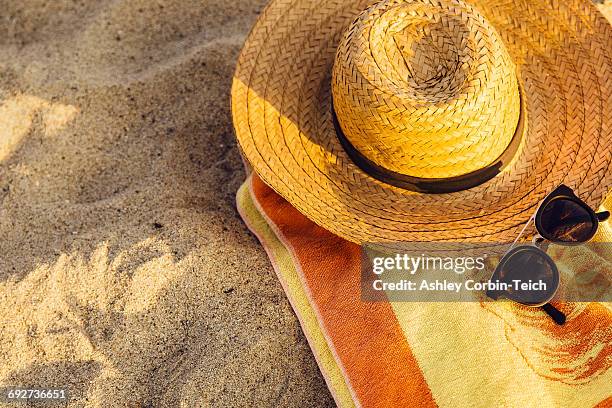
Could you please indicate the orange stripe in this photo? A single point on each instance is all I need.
(366, 337)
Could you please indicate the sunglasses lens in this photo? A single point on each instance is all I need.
(564, 220)
(532, 276)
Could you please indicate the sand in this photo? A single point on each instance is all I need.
(126, 273)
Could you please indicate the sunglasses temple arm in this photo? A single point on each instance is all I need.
(554, 313)
(603, 216)
(521, 233)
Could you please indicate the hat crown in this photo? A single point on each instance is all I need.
(425, 88)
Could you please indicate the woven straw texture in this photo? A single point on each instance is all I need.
(427, 89)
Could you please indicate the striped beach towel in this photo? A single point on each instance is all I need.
(408, 354)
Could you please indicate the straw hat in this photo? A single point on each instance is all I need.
(426, 120)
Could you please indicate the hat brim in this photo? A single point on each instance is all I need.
(281, 106)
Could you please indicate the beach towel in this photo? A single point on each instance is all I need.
(409, 354)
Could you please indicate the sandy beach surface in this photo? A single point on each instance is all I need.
(126, 274)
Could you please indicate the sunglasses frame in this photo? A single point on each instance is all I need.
(540, 243)
(536, 250)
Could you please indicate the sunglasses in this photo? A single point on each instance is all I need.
(561, 218)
